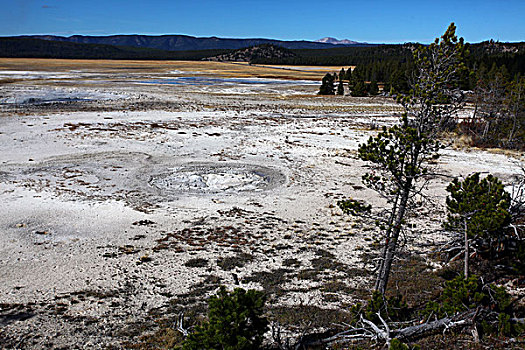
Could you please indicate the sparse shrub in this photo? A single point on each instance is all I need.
(327, 261)
(196, 262)
(390, 308)
(230, 262)
(308, 274)
(272, 281)
(235, 322)
(291, 262)
(308, 316)
(334, 286)
(396, 344)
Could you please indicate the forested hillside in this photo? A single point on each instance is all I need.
(38, 48)
(187, 42)
(392, 65)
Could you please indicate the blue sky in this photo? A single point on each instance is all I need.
(376, 21)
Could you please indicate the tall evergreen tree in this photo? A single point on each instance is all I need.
(348, 75)
(373, 89)
(327, 85)
(401, 154)
(342, 74)
(340, 88)
(398, 81)
(358, 89)
(499, 114)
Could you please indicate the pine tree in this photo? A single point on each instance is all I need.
(358, 73)
(398, 81)
(499, 112)
(386, 88)
(342, 74)
(348, 75)
(477, 208)
(515, 102)
(401, 154)
(340, 88)
(235, 321)
(327, 85)
(359, 89)
(373, 89)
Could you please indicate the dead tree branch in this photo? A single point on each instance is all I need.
(180, 326)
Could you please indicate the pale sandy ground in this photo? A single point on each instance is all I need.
(250, 170)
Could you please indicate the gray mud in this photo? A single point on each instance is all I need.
(139, 178)
(202, 178)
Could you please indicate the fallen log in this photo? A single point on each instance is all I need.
(463, 319)
(369, 330)
(444, 324)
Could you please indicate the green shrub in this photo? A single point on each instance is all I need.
(502, 326)
(235, 322)
(462, 294)
(396, 344)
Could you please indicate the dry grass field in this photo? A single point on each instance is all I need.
(232, 70)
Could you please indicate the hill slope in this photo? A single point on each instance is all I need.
(37, 48)
(183, 42)
(250, 54)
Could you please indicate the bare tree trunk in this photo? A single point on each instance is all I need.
(486, 130)
(391, 242)
(383, 259)
(516, 105)
(388, 234)
(467, 253)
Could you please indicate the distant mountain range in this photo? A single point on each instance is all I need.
(256, 51)
(334, 41)
(187, 43)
